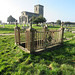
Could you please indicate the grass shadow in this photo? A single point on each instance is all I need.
(60, 54)
(53, 27)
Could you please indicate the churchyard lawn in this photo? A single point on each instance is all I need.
(59, 61)
(10, 28)
(14, 61)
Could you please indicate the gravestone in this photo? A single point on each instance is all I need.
(73, 32)
(50, 25)
(29, 24)
(42, 25)
(65, 30)
(3, 25)
(23, 27)
(26, 24)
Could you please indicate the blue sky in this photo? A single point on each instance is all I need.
(53, 9)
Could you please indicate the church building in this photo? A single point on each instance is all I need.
(25, 16)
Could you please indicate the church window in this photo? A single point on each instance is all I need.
(36, 8)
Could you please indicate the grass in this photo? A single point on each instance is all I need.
(7, 29)
(13, 61)
(69, 34)
(10, 28)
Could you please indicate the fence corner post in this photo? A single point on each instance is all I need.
(62, 34)
(30, 36)
(45, 28)
(17, 35)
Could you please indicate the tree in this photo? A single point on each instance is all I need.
(33, 18)
(11, 19)
(58, 22)
(41, 19)
(0, 22)
(38, 19)
(68, 23)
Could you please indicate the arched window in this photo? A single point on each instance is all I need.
(36, 8)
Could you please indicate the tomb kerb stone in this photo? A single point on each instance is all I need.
(30, 34)
(17, 34)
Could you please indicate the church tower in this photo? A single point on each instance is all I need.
(38, 9)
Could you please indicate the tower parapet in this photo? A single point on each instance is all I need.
(38, 9)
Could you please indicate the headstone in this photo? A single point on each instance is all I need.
(65, 30)
(23, 25)
(46, 25)
(3, 25)
(29, 24)
(50, 25)
(26, 24)
(68, 29)
(42, 24)
(73, 32)
(53, 25)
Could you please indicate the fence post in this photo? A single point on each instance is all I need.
(30, 35)
(45, 29)
(62, 33)
(17, 35)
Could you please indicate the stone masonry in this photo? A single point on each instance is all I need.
(25, 16)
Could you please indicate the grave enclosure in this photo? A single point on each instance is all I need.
(31, 40)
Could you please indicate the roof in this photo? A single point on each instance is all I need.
(30, 12)
(39, 5)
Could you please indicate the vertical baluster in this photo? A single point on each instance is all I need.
(59, 36)
(56, 37)
(34, 41)
(41, 40)
(47, 37)
(37, 40)
(52, 37)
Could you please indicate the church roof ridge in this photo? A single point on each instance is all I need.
(30, 12)
(39, 5)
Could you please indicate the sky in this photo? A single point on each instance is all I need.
(54, 10)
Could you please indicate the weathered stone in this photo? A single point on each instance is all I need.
(25, 16)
